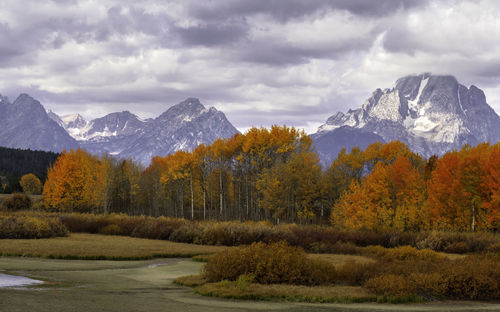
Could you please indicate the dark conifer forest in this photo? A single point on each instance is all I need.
(14, 163)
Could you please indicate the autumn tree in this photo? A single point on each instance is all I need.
(74, 183)
(463, 189)
(31, 184)
(392, 196)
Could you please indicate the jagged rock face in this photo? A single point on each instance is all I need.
(56, 118)
(182, 127)
(101, 129)
(25, 124)
(432, 114)
(74, 121)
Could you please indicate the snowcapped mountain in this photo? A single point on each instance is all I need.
(182, 127)
(433, 114)
(74, 121)
(25, 124)
(111, 125)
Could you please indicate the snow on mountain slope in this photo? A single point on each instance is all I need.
(431, 113)
(182, 127)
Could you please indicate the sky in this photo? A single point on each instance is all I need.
(261, 62)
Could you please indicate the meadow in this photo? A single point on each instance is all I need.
(101, 247)
(263, 261)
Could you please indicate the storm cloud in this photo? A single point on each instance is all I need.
(262, 62)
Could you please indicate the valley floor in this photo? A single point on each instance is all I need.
(147, 285)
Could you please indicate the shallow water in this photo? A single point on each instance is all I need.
(13, 281)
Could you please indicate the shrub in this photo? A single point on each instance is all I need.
(457, 247)
(157, 228)
(17, 202)
(422, 284)
(474, 277)
(456, 242)
(110, 229)
(270, 264)
(404, 271)
(318, 239)
(494, 248)
(411, 253)
(21, 226)
(353, 273)
(336, 248)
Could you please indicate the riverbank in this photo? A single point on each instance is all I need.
(147, 285)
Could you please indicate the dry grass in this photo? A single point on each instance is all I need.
(94, 246)
(227, 289)
(452, 256)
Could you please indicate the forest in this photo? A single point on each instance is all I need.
(14, 163)
(274, 175)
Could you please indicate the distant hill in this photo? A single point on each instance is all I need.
(14, 163)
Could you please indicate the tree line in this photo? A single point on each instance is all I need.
(14, 163)
(274, 174)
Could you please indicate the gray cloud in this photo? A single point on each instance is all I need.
(262, 62)
(213, 33)
(292, 9)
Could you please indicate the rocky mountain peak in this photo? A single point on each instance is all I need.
(24, 100)
(25, 124)
(431, 113)
(188, 108)
(74, 121)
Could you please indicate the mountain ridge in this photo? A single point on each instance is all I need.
(432, 114)
(27, 124)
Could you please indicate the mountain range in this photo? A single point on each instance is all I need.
(432, 114)
(26, 124)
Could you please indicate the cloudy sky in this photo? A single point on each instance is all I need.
(262, 62)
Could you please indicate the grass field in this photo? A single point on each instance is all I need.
(100, 247)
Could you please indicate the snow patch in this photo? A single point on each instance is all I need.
(424, 124)
(460, 101)
(413, 104)
(327, 127)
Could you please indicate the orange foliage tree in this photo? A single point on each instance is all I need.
(391, 197)
(463, 189)
(75, 183)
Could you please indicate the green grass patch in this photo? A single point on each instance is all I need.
(201, 258)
